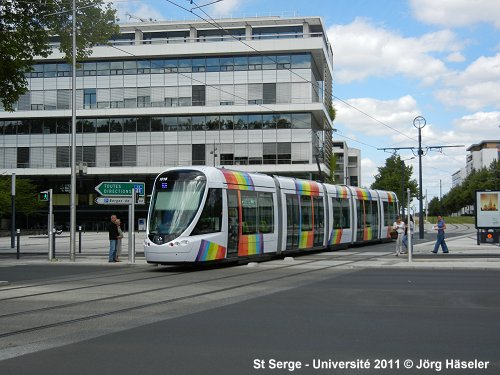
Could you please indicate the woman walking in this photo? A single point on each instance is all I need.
(399, 226)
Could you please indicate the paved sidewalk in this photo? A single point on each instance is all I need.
(94, 249)
(462, 242)
(464, 253)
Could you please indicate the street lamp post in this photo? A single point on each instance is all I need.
(403, 186)
(419, 122)
(72, 219)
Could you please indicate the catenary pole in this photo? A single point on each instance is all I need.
(72, 225)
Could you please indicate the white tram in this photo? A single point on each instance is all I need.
(201, 214)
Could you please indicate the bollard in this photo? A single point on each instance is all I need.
(79, 239)
(18, 231)
(54, 242)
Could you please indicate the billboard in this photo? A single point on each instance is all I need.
(487, 209)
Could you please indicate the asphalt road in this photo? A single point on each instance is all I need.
(307, 315)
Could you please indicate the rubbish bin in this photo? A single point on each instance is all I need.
(489, 236)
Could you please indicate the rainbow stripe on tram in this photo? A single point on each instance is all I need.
(238, 180)
(368, 234)
(335, 237)
(391, 197)
(342, 191)
(306, 239)
(310, 188)
(210, 251)
(363, 194)
(252, 244)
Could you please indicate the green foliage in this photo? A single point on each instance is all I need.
(453, 219)
(390, 177)
(332, 165)
(465, 194)
(332, 112)
(26, 30)
(434, 207)
(26, 197)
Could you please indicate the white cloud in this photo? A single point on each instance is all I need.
(130, 11)
(368, 172)
(362, 50)
(223, 8)
(475, 88)
(455, 57)
(456, 13)
(397, 114)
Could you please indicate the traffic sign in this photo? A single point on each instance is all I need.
(118, 200)
(43, 196)
(120, 188)
(113, 200)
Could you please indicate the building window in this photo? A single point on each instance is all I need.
(89, 98)
(143, 101)
(198, 95)
(198, 154)
(86, 154)
(23, 157)
(284, 153)
(115, 156)
(62, 157)
(269, 153)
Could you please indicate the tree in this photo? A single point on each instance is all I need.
(26, 28)
(390, 177)
(26, 197)
(465, 194)
(435, 207)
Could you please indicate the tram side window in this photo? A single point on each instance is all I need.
(374, 207)
(341, 218)
(389, 213)
(249, 212)
(360, 213)
(319, 221)
(307, 218)
(368, 213)
(266, 216)
(211, 218)
(293, 219)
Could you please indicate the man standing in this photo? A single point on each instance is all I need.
(440, 227)
(113, 237)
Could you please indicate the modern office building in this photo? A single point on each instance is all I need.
(481, 155)
(252, 94)
(348, 164)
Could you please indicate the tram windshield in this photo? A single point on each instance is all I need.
(177, 197)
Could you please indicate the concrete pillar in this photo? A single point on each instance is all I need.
(306, 30)
(193, 34)
(138, 36)
(248, 32)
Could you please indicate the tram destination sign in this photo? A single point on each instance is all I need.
(120, 189)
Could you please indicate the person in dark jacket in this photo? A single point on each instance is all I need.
(113, 237)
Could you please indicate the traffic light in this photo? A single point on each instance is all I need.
(43, 196)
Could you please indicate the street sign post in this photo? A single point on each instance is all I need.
(126, 193)
(121, 189)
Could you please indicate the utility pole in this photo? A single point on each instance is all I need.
(72, 219)
(419, 122)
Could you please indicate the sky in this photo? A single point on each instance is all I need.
(393, 60)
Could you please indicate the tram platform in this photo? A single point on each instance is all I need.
(462, 243)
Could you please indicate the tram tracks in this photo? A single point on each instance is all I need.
(64, 314)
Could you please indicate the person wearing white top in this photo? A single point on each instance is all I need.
(399, 226)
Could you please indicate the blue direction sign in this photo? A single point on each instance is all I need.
(120, 189)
